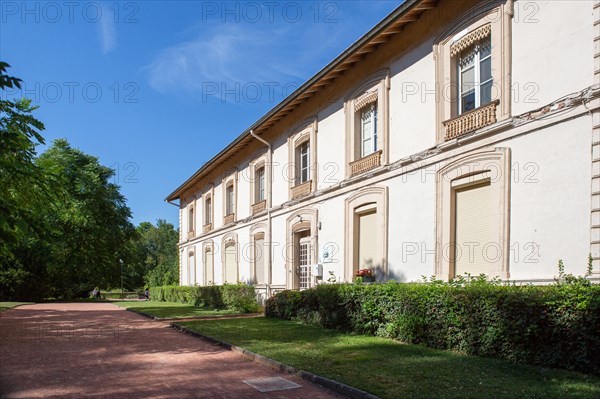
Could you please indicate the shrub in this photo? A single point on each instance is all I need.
(554, 326)
(238, 297)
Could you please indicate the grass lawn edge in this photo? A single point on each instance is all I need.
(192, 318)
(336, 386)
(17, 304)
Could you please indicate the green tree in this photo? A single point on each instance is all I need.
(157, 249)
(89, 223)
(23, 190)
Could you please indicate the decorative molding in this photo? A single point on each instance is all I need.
(302, 189)
(469, 39)
(206, 228)
(470, 121)
(367, 99)
(228, 219)
(364, 164)
(259, 207)
(300, 220)
(378, 197)
(487, 18)
(374, 89)
(474, 167)
(305, 131)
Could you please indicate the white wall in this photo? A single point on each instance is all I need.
(552, 51)
(552, 56)
(551, 200)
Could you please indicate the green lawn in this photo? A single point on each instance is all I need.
(391, 369)
(170, 309)
(7, 305)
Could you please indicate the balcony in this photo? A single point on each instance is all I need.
(206, 228)
(470, 121)
(302, 189)
(364, 164)
(228, 219)
(259, 207)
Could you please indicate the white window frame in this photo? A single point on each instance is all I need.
(208, 210)
(260, 184)
(477, 84)
(303, 162)
(229, 200)
(371, 111)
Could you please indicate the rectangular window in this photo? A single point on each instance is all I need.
(191, 220)
(230, 264)
(259, 260)
(474, 234)
(260, 185)
(475, 76)
(368, 130)
(208, 211)
(303, 163)
(229, 200)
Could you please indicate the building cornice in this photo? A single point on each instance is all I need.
(393, 24)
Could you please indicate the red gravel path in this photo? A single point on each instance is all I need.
(99, 350)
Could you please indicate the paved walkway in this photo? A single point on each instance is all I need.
(98, 350)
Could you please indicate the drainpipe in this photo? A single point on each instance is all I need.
(269, 203)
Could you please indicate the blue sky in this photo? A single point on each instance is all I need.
(156, 88)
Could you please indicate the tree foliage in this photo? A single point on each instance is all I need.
(64, 226)
(157, 247)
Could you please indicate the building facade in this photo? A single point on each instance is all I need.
(454, 138)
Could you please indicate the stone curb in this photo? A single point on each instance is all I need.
(194, 318)
(346, 390)
(143, 314)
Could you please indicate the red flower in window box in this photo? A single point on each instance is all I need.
(364, 273)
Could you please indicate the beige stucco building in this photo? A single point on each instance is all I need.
(454, 137)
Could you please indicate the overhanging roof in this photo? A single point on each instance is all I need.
(394, 23)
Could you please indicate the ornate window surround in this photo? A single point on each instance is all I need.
(208, 246)
(258, 206)
(490, 164)
(300, 220)
(230, 239)
(487, 18)
(375, 88)
(191, 266)
(229, 180)
(301, 133)
(191, 215)
(378, 197)
(209, 193)
(258, 231)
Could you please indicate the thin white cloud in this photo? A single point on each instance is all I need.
(236, 54)
(107, 32)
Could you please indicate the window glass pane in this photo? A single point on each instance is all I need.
(304, 175)
(485, 48)
(486, 93)
(229, 209)
(208, 214)
(467, 58)
(467, 80)
(303, 162)
(468, 101)
(485, 70)
(366, 147)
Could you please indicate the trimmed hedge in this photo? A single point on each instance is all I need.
(239, 297)
(553, 326)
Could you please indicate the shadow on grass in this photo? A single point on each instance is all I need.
(392, 369)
